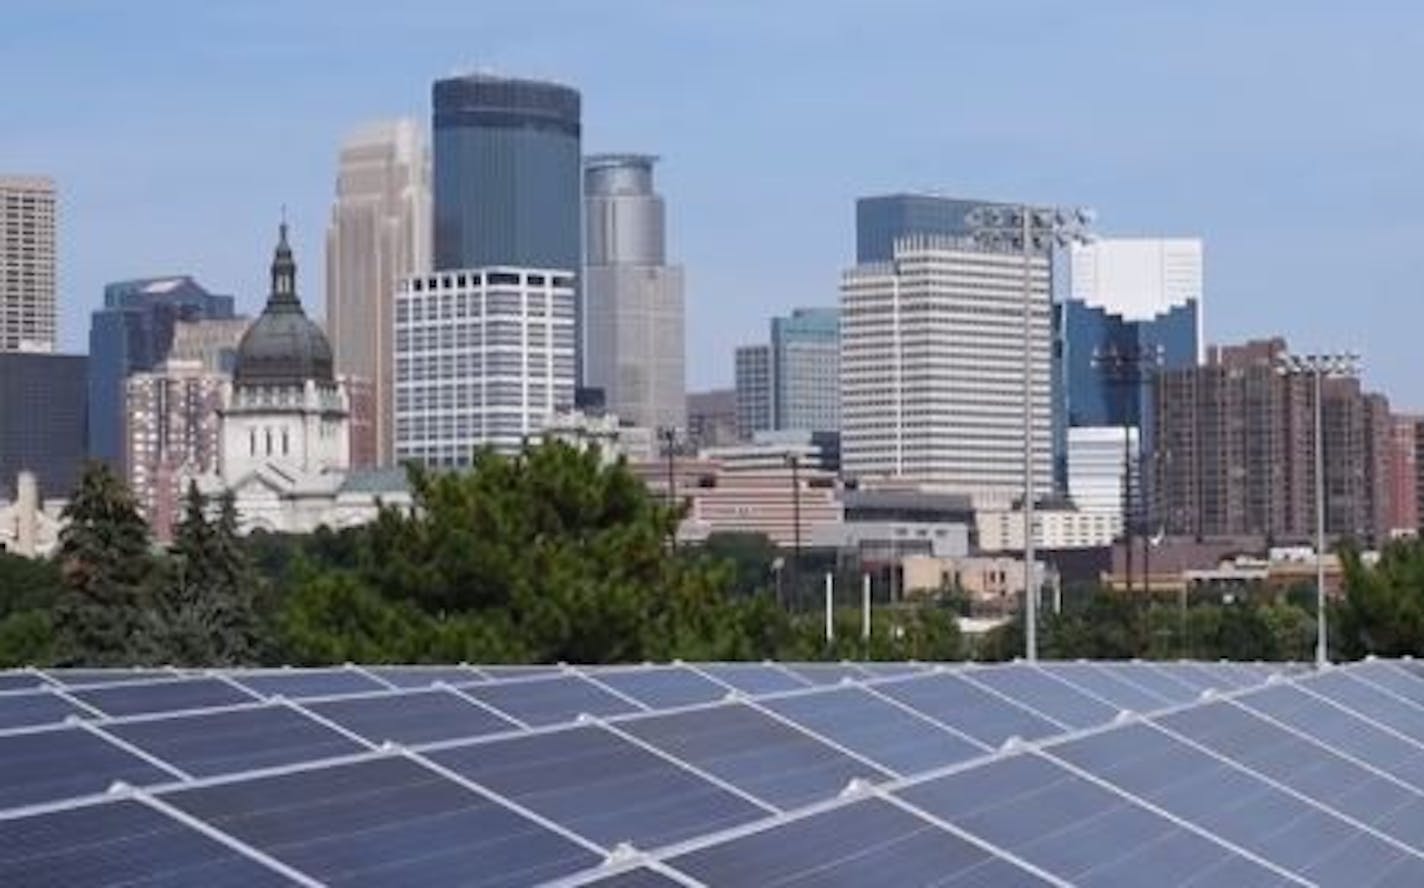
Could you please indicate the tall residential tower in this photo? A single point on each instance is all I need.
(27, 264)
(379, 233)
(633, 345)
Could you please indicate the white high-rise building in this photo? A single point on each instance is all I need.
(1140, 279)
(633, 300)
(379, 233)
(933, 368)
(1096, 459)
(484, 357)
(27, 264)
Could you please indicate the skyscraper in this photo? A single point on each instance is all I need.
(27, 264)
(933, 367)
(883, 220)
(484, 357)
(42, 417)
(753, 384)
(633, 299)
(507, 173)
(133, 332)
(172, 433)
(379, 233)
(805, 374)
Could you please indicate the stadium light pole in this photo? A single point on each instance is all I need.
(1318, 367)
(1033, 230)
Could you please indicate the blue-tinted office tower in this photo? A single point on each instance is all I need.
(883, 219)
(1134, 306)
(132, 333)
(42, 419)
(507, 173)
(805, 376)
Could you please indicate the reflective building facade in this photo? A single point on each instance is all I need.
(506, 173)
(883, 219)
(42, 419)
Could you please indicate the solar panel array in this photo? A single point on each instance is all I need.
(1053, 773)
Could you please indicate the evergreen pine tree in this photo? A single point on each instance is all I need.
(104, 560)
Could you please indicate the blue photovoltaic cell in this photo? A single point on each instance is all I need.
(1106, 686)
(601, 786)
(549, 701)
(163, 696)
(424, 676)
(1158, 680)
(412, 717)
(1306, 767)
(75, 677)
(120, 843)
(662, 687)
(307, 682)
(1041, 693)
(387, 821)
(1194, 680)
(867, 843)
(20, 681)
(1258, 817)
(875, 728)
(1078, 830)
(227, 742)
(968, 709)
(755, 678)
(1232, 676)
(754, 752)
(1392, 679)
(1342, 730)
(500, 673)
(888, 670)
(60, 763)
(1369, 701)
(23, 708)
(827, 673)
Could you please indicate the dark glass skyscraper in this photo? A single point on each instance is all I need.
(507, 173)
(41, 421)
(130, 334)
(884, 219)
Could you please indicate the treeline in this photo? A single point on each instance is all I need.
(551, 556)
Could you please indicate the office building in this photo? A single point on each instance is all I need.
(933, 368)
(1404, 474)
(172, 434)
(27, 264)
(211, 344)
(753, 381)
(484, 358)
(42, 421)
(380, 232)
(712, 418)
(633, 299)
(133, 333)
(805, 370)
(1101, 460)
(883, 220)
(1234, 450)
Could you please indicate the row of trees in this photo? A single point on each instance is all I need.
(553, 555)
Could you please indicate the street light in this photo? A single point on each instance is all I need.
(1319, 366)
(669, 437)
(794, 461)
(1033, 231)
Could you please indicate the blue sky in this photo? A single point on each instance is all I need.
(1288, 135)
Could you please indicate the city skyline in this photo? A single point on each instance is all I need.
(1167, 151)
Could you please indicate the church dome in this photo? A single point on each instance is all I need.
(283, 346)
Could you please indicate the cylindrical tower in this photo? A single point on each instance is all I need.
(624, 217)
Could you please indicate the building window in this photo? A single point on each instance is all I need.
(269, 441)
(252, 442)
(284, 442)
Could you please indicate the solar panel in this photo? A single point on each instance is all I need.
(20, 681)
(1159, 681)
(754, 752)
(59, 763)
(1193, 681)
(163, 696)
(1044, 694)
(968, 709)
(755, 678)
(231, 741)
(1078, 830)
(1104, 685)
(826, 673)
(549, 701)
(412, 717)
(642, 877)
(79, 677)
(120, 843)
(1293, 833)
(307, 682)
(662, 687)
(24, 708)
(1367, 700)
(601, 786)
(424, 676)
(1392, 679)
(386, 821)
(500, 673)
(888, 670)
(867, 843)
(897, 739)
(1341, 729)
